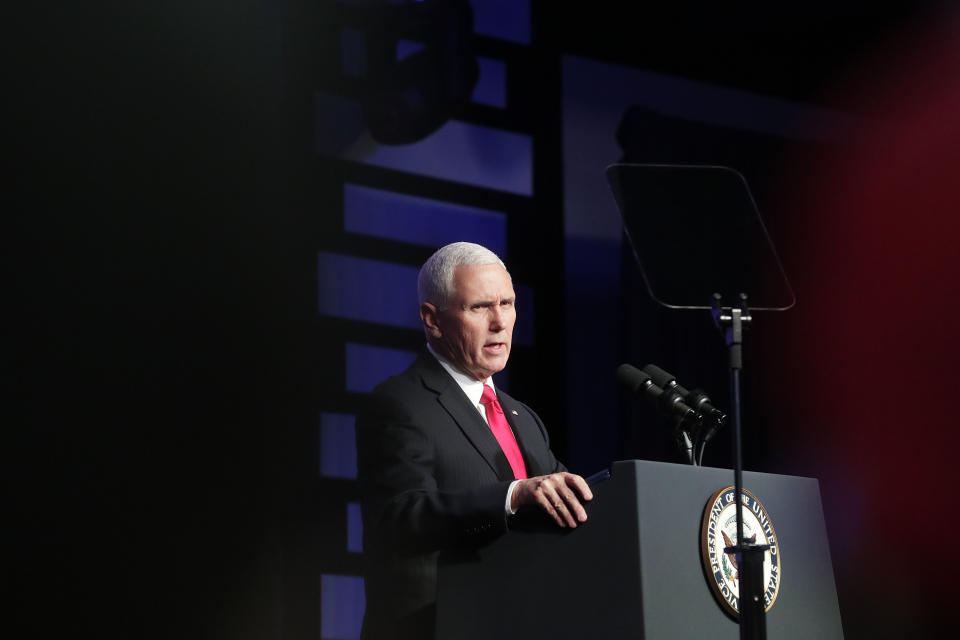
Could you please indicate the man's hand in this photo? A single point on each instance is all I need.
(555, 495)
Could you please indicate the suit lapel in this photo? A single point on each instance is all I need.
(525, 430)
(467, 418)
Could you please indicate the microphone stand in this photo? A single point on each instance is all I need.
(753, 625)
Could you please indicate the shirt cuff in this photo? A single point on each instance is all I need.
(510, 489)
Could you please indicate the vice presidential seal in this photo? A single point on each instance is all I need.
(719, 530)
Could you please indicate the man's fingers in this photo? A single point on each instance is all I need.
(577, 482)
(556, 495)
(563, 502)
(574, 504)
(561, 508)
(580, 484)
(551, 507)
(545, 495)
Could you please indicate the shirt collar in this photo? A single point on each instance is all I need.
(472, 387)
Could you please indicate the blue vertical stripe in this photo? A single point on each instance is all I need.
(342, 603)
(491, 86)
(354, 528)
(523, 329)
(338, 447)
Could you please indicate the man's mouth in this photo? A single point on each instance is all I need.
(495, 347)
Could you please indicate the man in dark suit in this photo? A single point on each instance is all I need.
(444, 458)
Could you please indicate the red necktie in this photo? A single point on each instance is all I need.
(501, 431)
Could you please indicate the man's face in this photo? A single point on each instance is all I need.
(476, 329)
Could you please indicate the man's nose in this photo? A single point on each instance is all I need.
(496, 317)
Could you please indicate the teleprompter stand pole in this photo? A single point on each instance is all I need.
(753, 625)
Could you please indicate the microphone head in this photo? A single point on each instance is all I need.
(660, 377)
(631, 377)
(697, 399)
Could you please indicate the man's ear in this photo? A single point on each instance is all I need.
(428, 316)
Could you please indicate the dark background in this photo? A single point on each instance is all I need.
(164, 362)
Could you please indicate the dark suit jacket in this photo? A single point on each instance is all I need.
(433, 477)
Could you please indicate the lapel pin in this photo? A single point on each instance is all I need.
(514, 412)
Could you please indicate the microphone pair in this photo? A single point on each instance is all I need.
(688, 409)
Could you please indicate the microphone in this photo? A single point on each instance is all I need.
(641, 383)
(697, 399)
(668, 402)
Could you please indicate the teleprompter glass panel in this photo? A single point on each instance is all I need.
(695, 231)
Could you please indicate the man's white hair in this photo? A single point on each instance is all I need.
(435, 281)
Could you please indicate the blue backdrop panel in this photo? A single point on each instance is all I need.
(418, 220)
(503, 19)
(368, 290)
(368, 366)
(460, 152)
(406, 48)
